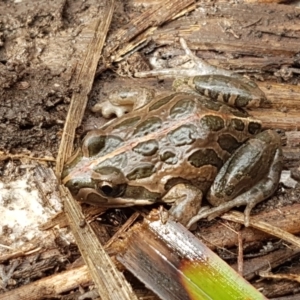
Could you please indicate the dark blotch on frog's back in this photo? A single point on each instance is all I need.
(237, 124)
(182, 108)
(211, 122)
(204, 157)
(228, 142)
(254, 127)
(238, 113)
(147, 148)
(168, 157)
(147, 126)
(108, 170)
(183, 135)
(143, 171)
(99, 145)
(212, 105)
(118, 161)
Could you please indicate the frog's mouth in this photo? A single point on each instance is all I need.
(114, 195)
(94, 197)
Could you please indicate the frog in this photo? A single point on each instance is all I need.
(193, 144)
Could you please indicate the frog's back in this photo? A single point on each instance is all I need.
(179, 136)
(164, 114)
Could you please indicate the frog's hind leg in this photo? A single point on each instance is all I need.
(200, 66)
(262, 190)
(257, 166)
(266, 187)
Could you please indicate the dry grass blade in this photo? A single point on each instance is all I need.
(52, 285)
(110, 282)
(263, 226)
(84, 81)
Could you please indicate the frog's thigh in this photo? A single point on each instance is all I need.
(247, 178)
(186, 201)
(257, 193)
(248, 165)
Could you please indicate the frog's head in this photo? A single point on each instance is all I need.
(92, 177)
(104, 186)
(94, 174)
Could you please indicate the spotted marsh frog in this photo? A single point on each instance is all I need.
(179, 149)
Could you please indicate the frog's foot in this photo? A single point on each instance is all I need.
(258, 193)
(200, 66)
(197, 67)
(250, 199)
(107, 109)
(186, 201)
(211, 213)
(124, 100)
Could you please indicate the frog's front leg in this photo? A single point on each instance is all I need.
(124, 100)
(186, 201)
(248, 177)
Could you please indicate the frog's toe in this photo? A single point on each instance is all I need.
(247, 212)
(214, 212)
(107, 109)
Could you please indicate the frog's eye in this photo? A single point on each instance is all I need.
(107, 189)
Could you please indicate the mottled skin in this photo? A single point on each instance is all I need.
(178, 149)
(177, 143)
